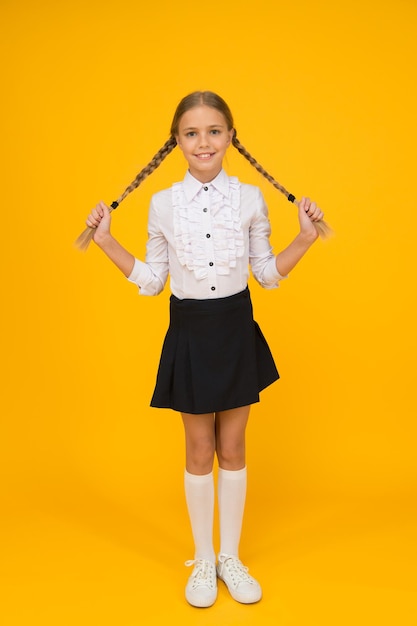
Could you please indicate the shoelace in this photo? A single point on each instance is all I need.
(238, 572)
(204, 572)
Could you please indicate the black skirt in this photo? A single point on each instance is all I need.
(214, 356)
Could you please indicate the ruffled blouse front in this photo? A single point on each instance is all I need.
(206, 237)
(226, 229)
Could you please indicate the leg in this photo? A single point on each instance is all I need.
(230, 447)
(201, 589)
(230, 437)
(200, 442)
(198, 481)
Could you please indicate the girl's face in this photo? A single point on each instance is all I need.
(203, 137)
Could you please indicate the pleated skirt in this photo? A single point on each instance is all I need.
(214, 356)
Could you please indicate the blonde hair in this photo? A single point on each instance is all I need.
(192, 100)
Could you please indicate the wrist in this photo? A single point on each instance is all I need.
(102, 239)
(308, 238)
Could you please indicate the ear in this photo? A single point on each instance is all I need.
(177, 139)
(231, 133)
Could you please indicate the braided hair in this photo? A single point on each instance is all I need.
(148, 169)
(194, 99)
(259, 167)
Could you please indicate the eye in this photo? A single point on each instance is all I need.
(191, 133)
(215, 131)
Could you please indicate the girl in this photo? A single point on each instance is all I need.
(205, 231)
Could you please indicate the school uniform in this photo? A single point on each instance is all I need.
(206, 237)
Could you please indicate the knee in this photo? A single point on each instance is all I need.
(231, 455)
(200, 455)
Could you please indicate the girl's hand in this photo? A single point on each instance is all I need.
(100, 220)
(308, 213)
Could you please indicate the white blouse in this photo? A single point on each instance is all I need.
(205, 236)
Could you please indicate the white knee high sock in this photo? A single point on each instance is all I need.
(232, 496)
(199, 494)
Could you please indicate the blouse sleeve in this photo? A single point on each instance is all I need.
(150, 276)
(261, 256)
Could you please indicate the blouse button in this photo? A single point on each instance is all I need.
(205, 188)
(205, 210)
(213, 288)
(211, 263)
(208, 235)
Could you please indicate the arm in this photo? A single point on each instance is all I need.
(267, 268)
(150, 276)
(100, 220)
(308, 213)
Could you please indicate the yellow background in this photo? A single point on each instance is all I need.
(94, 526)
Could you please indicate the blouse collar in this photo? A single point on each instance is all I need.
(192, 186)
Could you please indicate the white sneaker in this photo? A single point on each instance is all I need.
(242, 587)
(201, 589)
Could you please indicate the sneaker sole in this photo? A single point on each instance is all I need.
(203, 603)
(241, 598)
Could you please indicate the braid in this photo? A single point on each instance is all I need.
(258, 167)
(321, 226)
(84, 239)
(194, 99)
(148, 169)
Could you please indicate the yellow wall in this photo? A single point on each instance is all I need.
(324, 96)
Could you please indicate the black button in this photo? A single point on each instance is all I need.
(211, 263)
(205, 188)
(213, 288)
(205, 210)
(208, 235)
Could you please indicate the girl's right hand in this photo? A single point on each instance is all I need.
(100, 220)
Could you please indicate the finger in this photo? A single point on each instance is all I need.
(317, 215)
(94, 218)
(98, 211)
(92, 222)
(311, 209)
(103, 208)
(314, 212)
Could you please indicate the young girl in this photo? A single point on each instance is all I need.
(205, 232)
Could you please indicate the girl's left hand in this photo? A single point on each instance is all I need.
(308, 213)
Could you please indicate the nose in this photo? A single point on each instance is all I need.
(204, 140)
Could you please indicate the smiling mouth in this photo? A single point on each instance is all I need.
(204, 156)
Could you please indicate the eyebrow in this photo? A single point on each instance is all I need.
(210, 126)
